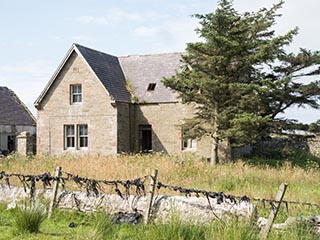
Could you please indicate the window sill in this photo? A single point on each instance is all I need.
(73, 149)
(189, 150)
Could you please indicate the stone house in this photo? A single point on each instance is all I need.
(102, 104)
(17, 124)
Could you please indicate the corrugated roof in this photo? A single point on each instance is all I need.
(142, 70)
(107, 68)
(12, 110)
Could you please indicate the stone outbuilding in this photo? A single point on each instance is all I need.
(103, 104)
(17, 124)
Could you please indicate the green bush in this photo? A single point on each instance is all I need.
(28, 217)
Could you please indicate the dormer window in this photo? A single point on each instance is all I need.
(75, 93)
(151, 86)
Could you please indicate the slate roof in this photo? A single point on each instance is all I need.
(12, 110)
(109, 72)
(141, 70)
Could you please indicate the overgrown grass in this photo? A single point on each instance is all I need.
(255, 177)
(258, 178)
(99, 226)
(28, 217)
(174, 229)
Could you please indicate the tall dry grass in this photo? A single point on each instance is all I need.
(239, 178)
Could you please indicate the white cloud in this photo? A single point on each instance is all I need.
(117, 15)
(169, 35)
(146, 31)
(93, 20)
(82, 38)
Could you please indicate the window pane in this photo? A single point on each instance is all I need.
(82, 135)
(76, 93)
(76, 98)
(83, 142)
(83, 130)
(69, 136)
(70, 130)
(77, 89)
(70, 142)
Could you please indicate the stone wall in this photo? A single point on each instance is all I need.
(14, 131)
(280, 145)
(124, 129)
(314, 145)
(97, 110)
(26, 143)
(166, 120)
(190, 209)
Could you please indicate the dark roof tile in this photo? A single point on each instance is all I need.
(108, 70)
(12, 110)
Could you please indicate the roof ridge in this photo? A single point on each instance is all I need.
(149, 54)
(91, 49)
(129, 55)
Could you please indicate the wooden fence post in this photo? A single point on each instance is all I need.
(54, 190)
(274, 211)
(150, 195)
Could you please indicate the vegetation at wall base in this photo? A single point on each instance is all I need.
(99, 225)
(28, 217)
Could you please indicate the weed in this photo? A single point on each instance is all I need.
(29, 216)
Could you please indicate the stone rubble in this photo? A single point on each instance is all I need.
(196, 209)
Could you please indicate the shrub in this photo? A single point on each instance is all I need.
(28, 217)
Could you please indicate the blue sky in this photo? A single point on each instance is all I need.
(35, 35)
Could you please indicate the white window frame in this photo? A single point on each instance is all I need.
(77, 136)
(188, 144)
(82, 136)
(69, 136)
(75, 93)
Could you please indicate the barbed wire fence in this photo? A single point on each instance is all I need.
(90, 185)
(123, 188)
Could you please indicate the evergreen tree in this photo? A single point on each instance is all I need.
(240, 77)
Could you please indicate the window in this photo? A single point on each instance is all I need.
(151, 86)
(69, 136)
(75, 93)
(83, 136)
(76, 136)
(187, 142)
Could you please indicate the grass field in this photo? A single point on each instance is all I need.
(259, 178)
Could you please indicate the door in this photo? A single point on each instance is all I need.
(145, 133)
(11, 144)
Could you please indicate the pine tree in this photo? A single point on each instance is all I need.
(240, 77)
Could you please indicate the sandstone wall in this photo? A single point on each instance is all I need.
(95, 110)
(166, 120)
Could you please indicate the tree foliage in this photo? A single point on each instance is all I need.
(240, 76)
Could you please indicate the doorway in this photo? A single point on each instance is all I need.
(11, 144)
(145, 133)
